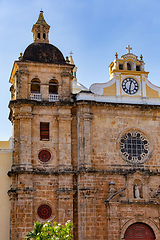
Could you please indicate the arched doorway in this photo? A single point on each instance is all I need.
(139, 231)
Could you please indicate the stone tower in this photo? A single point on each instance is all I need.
(40, 112)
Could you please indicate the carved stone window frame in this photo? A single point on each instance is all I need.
(143, 133)
(43, 162)
(45, 202)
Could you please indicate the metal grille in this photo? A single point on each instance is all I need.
(134, 146)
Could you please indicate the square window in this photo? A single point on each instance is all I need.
(44, 131)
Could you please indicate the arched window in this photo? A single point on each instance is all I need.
(121, 66)
(35, 85)
(53, 87)
(138, 68)
(38, 36)
(44, 36)
(129, 67)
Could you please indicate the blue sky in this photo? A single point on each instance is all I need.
(93, 29)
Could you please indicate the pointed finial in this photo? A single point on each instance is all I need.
(128, 48)
(20, 56)
(67, 59)
(116, 55)
(71, 53)
(141, 57)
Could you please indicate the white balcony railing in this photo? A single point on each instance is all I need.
(35, 96)
(53, 97)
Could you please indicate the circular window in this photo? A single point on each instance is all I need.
(44, 156)
(44, 211)
(134, 147)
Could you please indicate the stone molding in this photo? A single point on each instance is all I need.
(88, 192)
(147, 221)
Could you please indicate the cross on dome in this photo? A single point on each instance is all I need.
(128, 48)
(70, 58)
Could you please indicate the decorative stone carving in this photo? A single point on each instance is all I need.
(112, 190)
(136, 191)
(135, 147)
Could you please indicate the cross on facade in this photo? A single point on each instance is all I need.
(128, 48)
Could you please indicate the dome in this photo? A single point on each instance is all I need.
(43, 53)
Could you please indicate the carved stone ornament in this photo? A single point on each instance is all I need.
(44, 211)
(134, 147)
(44, 156)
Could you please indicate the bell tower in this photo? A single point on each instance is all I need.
(40, 112)
(40, 30)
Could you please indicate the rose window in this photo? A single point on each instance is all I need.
(44, 211)
(44, 156)
(134, 147)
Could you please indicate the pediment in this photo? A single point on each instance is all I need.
(114, 91)
(129, 56)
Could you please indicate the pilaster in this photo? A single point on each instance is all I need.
(84, 137)
(21, 221)
(86, 213)
(13, 214)
(24, 146)
(113, 220)
(22, 83)
(65, 204)
(64, 120)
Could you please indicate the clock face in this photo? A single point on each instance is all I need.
(130, 86)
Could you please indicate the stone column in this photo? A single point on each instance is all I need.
(84, 136)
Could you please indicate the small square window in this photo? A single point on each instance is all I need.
(44, 131)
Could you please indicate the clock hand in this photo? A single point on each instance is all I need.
(130, 85)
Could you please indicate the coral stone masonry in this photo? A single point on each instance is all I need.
(92, 157)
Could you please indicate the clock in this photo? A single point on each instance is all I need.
(130, 86)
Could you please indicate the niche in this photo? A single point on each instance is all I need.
(137, 189)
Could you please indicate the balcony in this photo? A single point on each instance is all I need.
(35, 96)
(53, 97)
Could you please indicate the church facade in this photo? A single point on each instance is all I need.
(90, 157)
